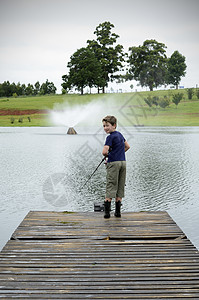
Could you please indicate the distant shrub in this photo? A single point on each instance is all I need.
(155, 100)
(176, 98)
(190, 93)
(63, 91)
(12, 120)
(149, 101)
(164, 102)
(197, 93)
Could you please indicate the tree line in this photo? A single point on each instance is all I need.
(8, 89)
(165, 101)
(103, 61)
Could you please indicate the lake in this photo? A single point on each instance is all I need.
(43, 168)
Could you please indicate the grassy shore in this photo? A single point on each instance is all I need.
(130, 108)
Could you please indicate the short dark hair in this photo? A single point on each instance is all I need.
(110, 119)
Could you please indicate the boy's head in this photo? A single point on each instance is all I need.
(109, 123)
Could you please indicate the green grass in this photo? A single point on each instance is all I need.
(44, 102)
(130, 108)
(36, 120)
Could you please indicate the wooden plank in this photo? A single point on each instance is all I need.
(55, 255)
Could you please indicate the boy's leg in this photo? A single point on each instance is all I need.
(120, 191)
(107, 208)
(121, 181)
(108, 199)
(112, 180)
(111, 186)
(118, 199)
(117, 209)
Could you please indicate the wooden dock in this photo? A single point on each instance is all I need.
(60, 255)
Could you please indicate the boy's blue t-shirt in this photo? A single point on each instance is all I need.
(116, 142)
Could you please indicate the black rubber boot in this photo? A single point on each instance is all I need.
(117, 209)
(107, 208)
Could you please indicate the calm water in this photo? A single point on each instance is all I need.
(44, 169)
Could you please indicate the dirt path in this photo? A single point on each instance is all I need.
(16, 112)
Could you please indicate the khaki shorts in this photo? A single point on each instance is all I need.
(115, 179)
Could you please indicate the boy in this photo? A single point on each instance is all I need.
(115, 148)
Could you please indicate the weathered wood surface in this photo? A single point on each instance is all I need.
(55, 255)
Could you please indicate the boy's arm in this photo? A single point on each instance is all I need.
(127, 146)
(105, 150)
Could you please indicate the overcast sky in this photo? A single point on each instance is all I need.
(37, 37)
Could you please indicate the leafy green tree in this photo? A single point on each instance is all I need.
(84, 70)
(164, 102)
(176, 68)
(29, 90)
(109, 55)
(148, 64)
(67, 84)
(19, 90)
(1, 90)
(149, 101)
(177, 98)
(51, 88)
(37, 88)
(155, 100)
(47, 88)
(197, 93)
(6, 89)
(190, 93)
(13, 88)
(23, 89)
(63, 91)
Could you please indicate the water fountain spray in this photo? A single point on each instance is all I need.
(70, 116)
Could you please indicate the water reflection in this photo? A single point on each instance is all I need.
(161, 173)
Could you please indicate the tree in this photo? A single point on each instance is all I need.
(84, 70)
(51, 89)
(47, 88)
(1, 90)
(149, 101)
(148, 64)
(6, 89)
(164, 102)
(23, 89)
(197, 93)
(110, 57)
(36, 88)
(29, 89)
(155, 100)
(177, 98)
(190, 93)
(176, 68)
(19, 90)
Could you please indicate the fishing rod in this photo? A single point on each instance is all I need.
(93, 172)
